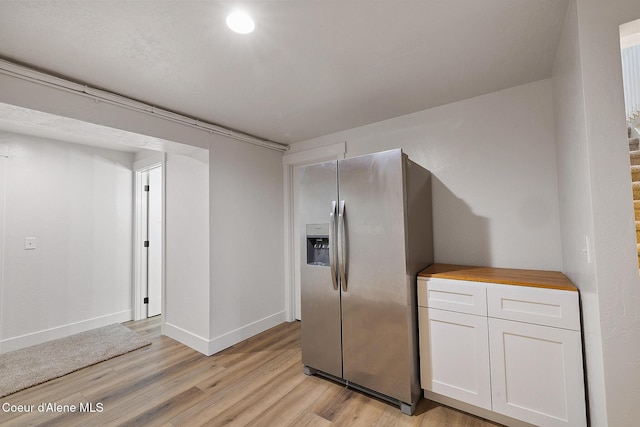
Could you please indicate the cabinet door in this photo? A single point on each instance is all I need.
(454, 355)
(536, 373)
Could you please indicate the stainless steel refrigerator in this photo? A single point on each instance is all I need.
(366, 233)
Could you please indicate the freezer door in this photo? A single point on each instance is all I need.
(376, 309)
(321, 323)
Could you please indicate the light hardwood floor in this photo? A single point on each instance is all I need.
(258, 382)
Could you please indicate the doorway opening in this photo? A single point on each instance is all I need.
(149, 237)
(630, 55)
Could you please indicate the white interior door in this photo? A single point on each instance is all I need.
(154, 237)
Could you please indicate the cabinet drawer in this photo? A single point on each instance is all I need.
(453, 295)
(542, 306)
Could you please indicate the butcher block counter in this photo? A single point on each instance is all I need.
(507, 276)
(503, 344)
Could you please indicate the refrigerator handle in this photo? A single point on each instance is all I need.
(332, 246)
(341, 247)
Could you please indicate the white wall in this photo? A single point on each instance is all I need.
(4, 154)
(596, 202)
(494, 168)
(77, 202)
(576, 204)
(245, 193)
(186, 312)
(247, 243)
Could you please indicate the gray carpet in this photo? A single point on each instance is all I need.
(33, 365)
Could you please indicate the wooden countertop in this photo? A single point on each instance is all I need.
(507, 276)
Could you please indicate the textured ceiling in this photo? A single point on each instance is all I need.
(18, 120)
(310, 68)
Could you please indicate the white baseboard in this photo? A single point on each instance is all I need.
(214, 345)
(187, 338)
(39, 337)
(221, 342)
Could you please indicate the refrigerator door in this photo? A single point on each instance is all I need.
(321, 322)
(376, 311)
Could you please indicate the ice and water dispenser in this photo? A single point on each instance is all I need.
(318, 244)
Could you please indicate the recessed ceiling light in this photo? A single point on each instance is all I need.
(240, 22)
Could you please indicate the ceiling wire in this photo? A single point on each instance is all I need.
(22, 72)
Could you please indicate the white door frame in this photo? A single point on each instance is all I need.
(139, 233)
(153, 224)
(291, 232)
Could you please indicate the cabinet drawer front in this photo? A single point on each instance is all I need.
(550, 307)
(453, 295)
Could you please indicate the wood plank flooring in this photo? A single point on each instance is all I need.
(258, 382)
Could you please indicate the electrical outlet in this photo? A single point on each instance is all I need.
(29, 243)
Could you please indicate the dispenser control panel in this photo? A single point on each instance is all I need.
(317, 238)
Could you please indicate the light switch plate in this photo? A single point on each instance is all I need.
(29, 243)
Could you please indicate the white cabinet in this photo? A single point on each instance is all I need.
(513, 350)
(536, 373)
(453, 295)
(454, 352)
(539, 306)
